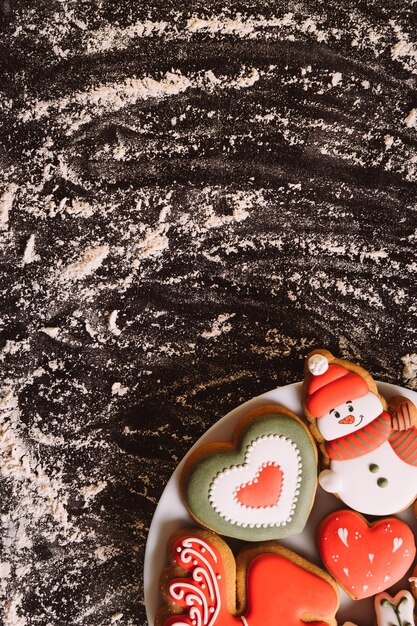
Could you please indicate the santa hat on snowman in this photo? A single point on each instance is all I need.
(347, 414)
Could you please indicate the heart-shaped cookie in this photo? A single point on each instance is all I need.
(259, 486)
(365, 558)
(395, 611)
(267, 585)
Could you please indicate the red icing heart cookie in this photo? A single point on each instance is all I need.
(365, 558)
(267, 586)
(265, 488)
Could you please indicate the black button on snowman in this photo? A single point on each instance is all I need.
(381, 482)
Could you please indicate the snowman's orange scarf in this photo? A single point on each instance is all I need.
(397, 428)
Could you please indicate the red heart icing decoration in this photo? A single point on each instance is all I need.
(264, 490)
(365, 559)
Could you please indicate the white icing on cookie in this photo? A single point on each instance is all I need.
(396, 611)
(330, 481)
(396, 543)
(363, 411)
(343, 535)
(275, 449)
(204, 606)
(358, 487)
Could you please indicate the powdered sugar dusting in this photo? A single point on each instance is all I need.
(87, 264)
(6, 203)
(410, 370)
(29, 254)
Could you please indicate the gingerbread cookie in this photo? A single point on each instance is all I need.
(413, 581)
(259, 486)
(395, 611)
(369, 449)
(365, 558)
(268, 585)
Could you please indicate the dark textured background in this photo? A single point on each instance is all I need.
(238, 183)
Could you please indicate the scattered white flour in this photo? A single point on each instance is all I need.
(118, 389)
(89, 263)
(6, 203)
(365, 293)
(404, 51)
(41, 505)
(42, 493)
(90, 491)
(184, 399)
(388, 140)
(113, 323)
(5, 569)
(242, 26)
(336, 78)
(246, 79)
(411, 119)
(104, 553)
(29, 254)
(410, 370)
(11, 615)
(118, 38)
(79, 208)
(51, 331)
(154, 243)
(14, 347)
(220, 326)
(279, 344)
(284, 27)
(375, 255)
(110, 98)
(239, 202)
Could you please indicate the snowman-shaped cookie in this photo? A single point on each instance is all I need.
(370, 451)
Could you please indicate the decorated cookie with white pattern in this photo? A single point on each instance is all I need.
(267, 585)
(395, 611)
(364, 558)
(260, 485)
(369, 446)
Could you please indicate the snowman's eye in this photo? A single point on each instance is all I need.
(350, 408)
(337, 414)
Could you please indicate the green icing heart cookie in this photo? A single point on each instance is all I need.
(259, 486)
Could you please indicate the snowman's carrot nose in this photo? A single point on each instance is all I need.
(349, 419)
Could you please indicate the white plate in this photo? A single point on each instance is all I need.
(171, 513)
